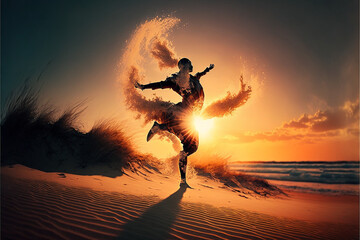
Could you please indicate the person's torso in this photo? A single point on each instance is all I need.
(191, 92)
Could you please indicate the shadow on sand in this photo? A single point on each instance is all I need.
(156, 221)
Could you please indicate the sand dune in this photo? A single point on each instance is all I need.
(41, 209)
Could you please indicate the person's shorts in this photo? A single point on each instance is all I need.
(179, 121)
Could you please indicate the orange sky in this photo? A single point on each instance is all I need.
(275, 101)
(296, 64)
(257, 130)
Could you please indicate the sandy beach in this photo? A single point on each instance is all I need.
(39, 205)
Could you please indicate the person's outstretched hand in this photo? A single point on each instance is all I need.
(138, 85)
(211, 66)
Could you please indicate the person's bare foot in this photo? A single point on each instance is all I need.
(183, 184)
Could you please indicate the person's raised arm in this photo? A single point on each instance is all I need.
(168, 83)
(200, 74)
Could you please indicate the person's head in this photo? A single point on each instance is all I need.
(185, 65)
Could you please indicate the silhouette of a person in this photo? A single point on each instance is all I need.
(177, 119)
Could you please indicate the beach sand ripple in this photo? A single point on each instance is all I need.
(35, 209)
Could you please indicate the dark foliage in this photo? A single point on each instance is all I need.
(33, 136)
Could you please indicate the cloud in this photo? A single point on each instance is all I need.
(332, 122)
(227, 105)
(272, 136)
(300, 123)
(280, 135)
(163, 54)
(330, 119)
(353, 131)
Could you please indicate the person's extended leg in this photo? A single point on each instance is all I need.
(182, 166)
(190, 146)
(155, 129)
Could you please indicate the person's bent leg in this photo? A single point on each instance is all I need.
(163, 127)
(155, 129)
(189, 148)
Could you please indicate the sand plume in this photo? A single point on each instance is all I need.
(163, 54)
(149, 109)
(216, 167)
(176, 144)
(145, 41)
(149, 40)
(231, 102)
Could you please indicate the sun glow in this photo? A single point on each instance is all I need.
(203, 126)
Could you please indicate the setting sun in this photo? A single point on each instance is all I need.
(203, 126)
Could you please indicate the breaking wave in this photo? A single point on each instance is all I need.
(327, 177)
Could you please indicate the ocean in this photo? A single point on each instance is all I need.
(340, 178)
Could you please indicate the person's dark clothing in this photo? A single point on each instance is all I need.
(177, 119)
